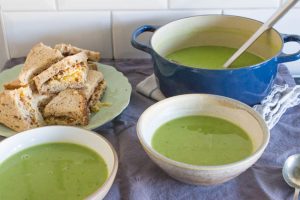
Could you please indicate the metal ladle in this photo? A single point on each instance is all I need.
(291, 173)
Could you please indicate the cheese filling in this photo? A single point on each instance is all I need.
(72, 74)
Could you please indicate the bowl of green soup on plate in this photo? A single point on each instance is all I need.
(188, 56)
(202, 139)
(56, 162)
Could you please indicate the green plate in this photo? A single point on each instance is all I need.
(117, 94)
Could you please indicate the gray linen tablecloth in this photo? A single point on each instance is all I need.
(139, 178)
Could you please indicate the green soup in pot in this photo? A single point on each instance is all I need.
(59, 171)
(212, 57)
(202, 140)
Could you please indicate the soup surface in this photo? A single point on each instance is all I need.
(202, 140)
(212, 57)
(59, 171)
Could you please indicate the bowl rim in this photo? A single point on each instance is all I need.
(258, 65)
(111, 176)
(150, 150)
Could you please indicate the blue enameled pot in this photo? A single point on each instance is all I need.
(249, 84)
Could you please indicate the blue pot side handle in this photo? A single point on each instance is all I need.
(283, 57)
(137, 33)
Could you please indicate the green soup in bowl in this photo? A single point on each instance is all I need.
(202, 140)
(56, 162)
(212, 57)
(64, 170)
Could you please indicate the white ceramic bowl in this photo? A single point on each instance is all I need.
(203, 104)
(69, 134)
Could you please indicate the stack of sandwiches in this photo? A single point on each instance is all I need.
(59, 85)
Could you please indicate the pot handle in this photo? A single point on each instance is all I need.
(137, 33)
(283, 57)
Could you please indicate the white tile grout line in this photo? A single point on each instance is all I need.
(56, 5)
(4, 35)
(144, 10)
(112, 35)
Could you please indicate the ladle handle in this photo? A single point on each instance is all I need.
(271, 21)
(281, 11)
(296, 194)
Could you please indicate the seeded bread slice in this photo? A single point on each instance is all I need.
(93, 79)
(94, 88)
(38, 59)
(69, 107)
(18, 110)
(42, 100)
(68, 49)
(97, 95)
(70, 72)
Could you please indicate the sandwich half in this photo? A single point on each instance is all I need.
(67, 50)
(19, 110)
(69, 107)
(38, 59)
(70, 72)
(94, 89)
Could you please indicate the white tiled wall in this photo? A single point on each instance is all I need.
(249, 4)
(112, 4)
(106, 25)
(125, 22)
(21, 5)
(86, 29)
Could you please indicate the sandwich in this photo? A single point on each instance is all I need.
(39, 59)
(19, 109)
(69, 107)
(94, 89)
(59, 85)
(70, 72)
(67, 50)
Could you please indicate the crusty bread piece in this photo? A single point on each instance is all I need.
(41, 100)
(97, 95)
(15, 84)
(92, 66)
(59, 76)
(69, 107)
(18, 110)
(68, 49)
(94, 88)
(93, 80)
(38, 59)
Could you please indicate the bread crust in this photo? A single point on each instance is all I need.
(68, 49)
(15, 84)
(38, 59)
(66, 63)
(93, 80)
(18, 110)
(98, 94)
(92, 66)
(69, 107)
